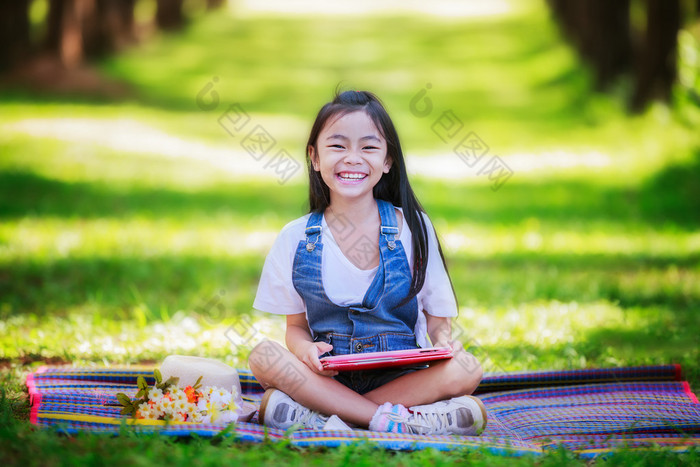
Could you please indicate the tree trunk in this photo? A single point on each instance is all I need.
(71, 51)
(109, 28)
(656, 61)
(600, 31)
(214, 4)
(126, 15)
(613, 41)
(66, 29)
(169, 15)
(14, 33)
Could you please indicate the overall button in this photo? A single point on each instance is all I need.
(359, 347)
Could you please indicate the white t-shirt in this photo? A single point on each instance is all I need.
(344, 283)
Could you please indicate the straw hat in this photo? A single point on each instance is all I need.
(213, 372)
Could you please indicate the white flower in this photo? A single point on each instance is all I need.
(143, 411)
(180, 406)
(203, 404)
(165, 405)
(154, 394)
(218, 397)
(148, 414)
(178, 395)
(214, 412)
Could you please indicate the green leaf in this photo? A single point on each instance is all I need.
(124, 399)
(141, 393)
(141, 382)
(172, 381)
(198, 383)
(158, 375)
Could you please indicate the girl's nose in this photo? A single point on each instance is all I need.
(352, 155)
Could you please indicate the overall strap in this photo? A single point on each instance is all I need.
(313, 230)
(389, 229)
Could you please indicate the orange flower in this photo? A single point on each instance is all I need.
(191, 395)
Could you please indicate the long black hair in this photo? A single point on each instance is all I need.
(393, 187)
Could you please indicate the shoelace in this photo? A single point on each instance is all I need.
(434, 422)
(413, 426)
(311, 419)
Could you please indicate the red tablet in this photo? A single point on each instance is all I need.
(371, 360)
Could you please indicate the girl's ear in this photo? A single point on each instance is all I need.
(387, 164)
(314, 160)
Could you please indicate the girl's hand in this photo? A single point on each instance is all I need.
(309, 356)
(444, 343)
(455, 345)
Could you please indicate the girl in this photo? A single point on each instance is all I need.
(363, 292)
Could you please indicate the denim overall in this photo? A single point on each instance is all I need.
(371, 326)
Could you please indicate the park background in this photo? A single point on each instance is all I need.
(135, 218)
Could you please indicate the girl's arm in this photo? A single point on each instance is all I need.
(300, 343)
(439, 330)
(440, 333)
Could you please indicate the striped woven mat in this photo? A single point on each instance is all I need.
(590, 411)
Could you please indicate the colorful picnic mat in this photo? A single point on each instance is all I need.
(591, 411)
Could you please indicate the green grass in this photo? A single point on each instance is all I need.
(113, 255)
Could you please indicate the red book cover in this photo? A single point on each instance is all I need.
(372, 360)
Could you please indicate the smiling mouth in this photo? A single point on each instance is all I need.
(351, 177)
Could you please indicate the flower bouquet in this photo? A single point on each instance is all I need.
(166, 401)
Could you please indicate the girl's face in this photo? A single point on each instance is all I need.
(351, 155)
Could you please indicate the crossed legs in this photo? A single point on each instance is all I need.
(275, 366)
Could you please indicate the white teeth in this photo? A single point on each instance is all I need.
(352, 176)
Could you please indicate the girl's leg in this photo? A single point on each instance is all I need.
(445, 379)
(274, 366)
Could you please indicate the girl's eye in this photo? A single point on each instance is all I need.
(370, 147)
(336, 146)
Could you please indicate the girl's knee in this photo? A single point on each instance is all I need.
(265, 356)
(466, 373)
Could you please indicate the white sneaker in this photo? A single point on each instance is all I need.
(278, 410)
(465, 415)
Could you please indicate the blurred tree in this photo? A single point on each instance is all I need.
(600, 30)
(14, 32)
(169, 15)
(656, 61)
(109, 27)
(77, 30)
(80, 29)
(65, 30)
(214, 4)
(602, 33)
